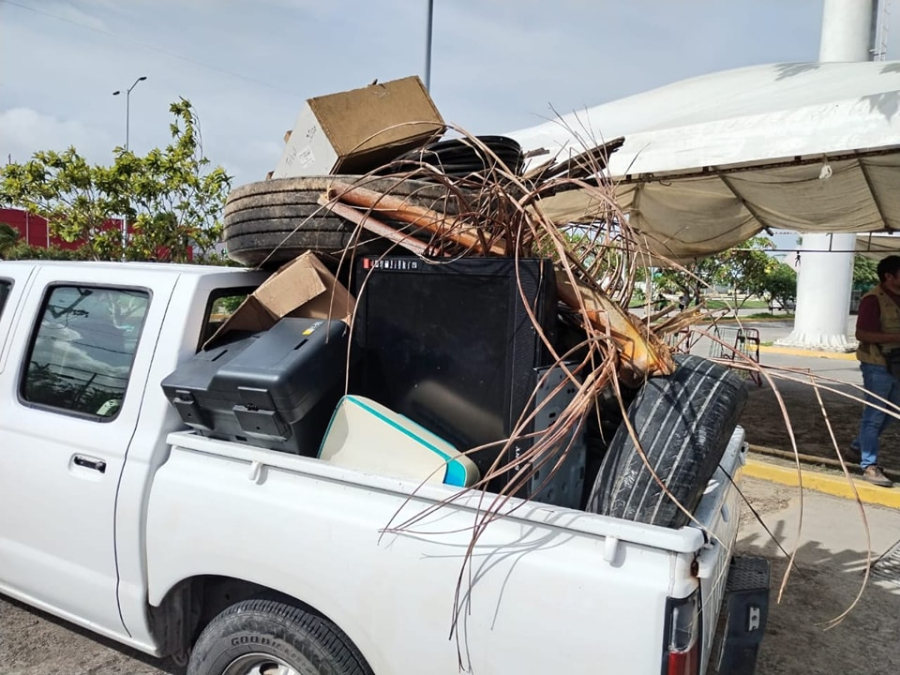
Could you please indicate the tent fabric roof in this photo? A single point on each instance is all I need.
(711, 161)
(877, 246)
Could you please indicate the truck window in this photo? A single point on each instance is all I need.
(221, 305)
(82, 352)
(4, 293)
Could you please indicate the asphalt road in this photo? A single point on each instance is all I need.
(825, 582)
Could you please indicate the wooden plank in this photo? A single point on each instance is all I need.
(373, 225)
(399, 208)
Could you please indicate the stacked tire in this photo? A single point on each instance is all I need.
(269, 222)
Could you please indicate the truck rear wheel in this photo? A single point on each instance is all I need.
(683, 423)
(266, 637)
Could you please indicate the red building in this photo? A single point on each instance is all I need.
(34, 231)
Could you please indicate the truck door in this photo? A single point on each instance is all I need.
(71, 393)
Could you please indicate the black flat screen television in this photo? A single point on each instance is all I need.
(450, 344)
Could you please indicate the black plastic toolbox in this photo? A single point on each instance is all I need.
(275, 389)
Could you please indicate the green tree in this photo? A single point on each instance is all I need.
(171, 197)
(9, 237)
(781, 285)
(865, 274)
(24, 251)
(742, 268)
(691, 279)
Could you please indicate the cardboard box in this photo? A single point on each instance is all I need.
(303, 287)
(356, 131)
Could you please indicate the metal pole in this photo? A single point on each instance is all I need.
(127, 117)
(127, 146)
(428, 45)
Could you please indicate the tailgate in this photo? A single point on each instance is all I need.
(719, 515)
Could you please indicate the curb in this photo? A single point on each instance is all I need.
(747, 319)
(794, 351)
(812, 462)
(837, 486)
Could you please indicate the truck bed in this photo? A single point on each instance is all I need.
(394, 594)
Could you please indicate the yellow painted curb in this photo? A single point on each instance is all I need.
(793, 351)
(747, 319)
(823, 482)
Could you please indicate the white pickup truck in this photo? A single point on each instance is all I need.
(238, 560)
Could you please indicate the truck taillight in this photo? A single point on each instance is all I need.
(683, 629)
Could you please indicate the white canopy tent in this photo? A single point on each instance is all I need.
(709, 162)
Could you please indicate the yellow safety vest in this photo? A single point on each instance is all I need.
(868, 352)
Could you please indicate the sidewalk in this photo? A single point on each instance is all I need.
(829, 481)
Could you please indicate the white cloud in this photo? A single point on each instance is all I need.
(24, 131)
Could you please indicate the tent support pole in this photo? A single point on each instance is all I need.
(718, 171)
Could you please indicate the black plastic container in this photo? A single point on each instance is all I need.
(275, 389)
(451, 345)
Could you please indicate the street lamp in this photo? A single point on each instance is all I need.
(127, 131)
(428, 27)
(128, 105)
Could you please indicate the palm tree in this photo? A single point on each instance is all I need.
(9, 237)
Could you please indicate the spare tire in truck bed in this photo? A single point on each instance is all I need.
(683, 423)
(274, 221)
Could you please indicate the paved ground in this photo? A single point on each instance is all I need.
(33, 643)
(828, 576)
(826, 581)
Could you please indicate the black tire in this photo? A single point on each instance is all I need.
(277, 220)
(306, 189)
(683, 423)
(272, 249)
(305, 642)
(274, 210)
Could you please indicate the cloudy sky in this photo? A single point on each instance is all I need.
(248, 65)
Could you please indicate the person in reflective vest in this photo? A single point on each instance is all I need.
(878, 333)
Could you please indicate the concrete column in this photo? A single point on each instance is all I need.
(848, 30)
(825, 280)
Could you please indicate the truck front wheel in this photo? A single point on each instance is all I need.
(266, 637)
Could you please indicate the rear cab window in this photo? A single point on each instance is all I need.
(222, 303)
(5, 288)
(83, 348)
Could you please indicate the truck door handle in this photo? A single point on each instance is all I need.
(88, 463)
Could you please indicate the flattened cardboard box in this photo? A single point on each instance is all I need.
(303, 287)
(358, 130)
